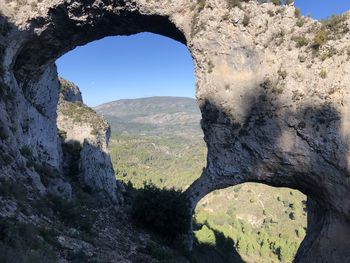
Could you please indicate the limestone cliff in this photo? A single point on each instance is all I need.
(85, 138)
(273, 88)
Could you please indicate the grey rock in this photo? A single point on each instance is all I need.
(70, 91)
(59, 187)
(76, 245)
(84, 128)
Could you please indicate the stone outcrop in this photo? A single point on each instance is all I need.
(273, 89)
(69, 91)
(85, 137)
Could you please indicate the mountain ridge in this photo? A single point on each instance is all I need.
(157, 115)
(146, 98)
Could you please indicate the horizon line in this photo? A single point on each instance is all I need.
(147, 97)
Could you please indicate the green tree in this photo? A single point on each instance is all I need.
(206, 236)
(165, 211)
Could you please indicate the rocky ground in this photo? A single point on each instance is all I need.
(54, 231)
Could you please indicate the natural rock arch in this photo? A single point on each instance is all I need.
(269, 113)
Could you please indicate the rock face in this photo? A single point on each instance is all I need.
(273, 89)
(85, 137)
(69, 91)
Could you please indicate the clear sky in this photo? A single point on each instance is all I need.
(320, 9)
(136, 66)
(146, 64)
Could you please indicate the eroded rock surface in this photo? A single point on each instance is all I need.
(85, 136)
(273, 91)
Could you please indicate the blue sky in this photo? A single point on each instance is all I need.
(136, 66)
(146, 64)
(320, 9)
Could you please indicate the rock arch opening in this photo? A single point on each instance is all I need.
(260, 223)
(148, 102)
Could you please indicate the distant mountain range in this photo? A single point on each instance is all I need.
(153, 116)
